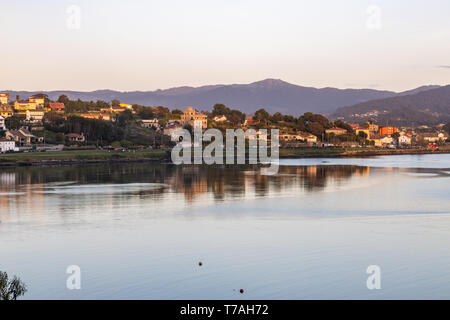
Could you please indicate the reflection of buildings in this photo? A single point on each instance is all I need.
(245, 181)
(21, 191)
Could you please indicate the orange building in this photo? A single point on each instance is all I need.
(387, 131)
(56, 106)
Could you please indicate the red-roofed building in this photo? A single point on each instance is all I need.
(56, 106)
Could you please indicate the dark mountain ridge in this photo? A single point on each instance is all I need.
(425, 107)
(272, 94)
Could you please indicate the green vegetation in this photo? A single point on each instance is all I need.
(11, 289)
(157, 154)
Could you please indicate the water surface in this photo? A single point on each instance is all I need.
(138, 231)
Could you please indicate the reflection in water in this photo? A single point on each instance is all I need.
(143, 179)
(139, 230)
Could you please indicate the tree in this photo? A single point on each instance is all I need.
(14, 122)
(220, 109)
(362, 137)
(11, 289)
(115, 103)
(277, 116)
(125, 143)
(343, 125)
(262, 115)
(124, 117)
(145, 113)
(177, 111)
(236, 117)
(447, 128)
(63, 99)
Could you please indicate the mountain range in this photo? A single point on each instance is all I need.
(274, 95)
(422, 107)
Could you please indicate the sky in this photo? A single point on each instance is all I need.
(147, 45)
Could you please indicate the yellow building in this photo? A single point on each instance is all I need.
(33, 103)
(22, 106)
(37, 100)
(126, 105)
(4, 98)
(6, 111)
(195, 119)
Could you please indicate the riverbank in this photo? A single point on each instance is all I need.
(75, 157)
(352, 152)
(82, 157)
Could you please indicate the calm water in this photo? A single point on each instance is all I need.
(138, 231)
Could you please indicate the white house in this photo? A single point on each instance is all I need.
(152, 123)
(35, 115)
(404, 140)
(2, 123)
(386, 140)
(7, 145)
(220, 118)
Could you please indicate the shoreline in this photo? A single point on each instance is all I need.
(81, 157)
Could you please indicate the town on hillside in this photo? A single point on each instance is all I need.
(39, 124)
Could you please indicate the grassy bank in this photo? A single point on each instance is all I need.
(163, 155)
(82, 155)
(352, 152)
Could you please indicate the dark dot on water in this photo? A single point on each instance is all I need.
(241, 291)
(200, 263)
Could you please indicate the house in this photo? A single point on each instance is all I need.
(34, 116)
(4, 98)
(152, 123)
(58, 107)
(22, 136)
(7, 145)
(433, 137)
(195, 119)
(2, 124)
(22, 106)
(39, 101)
(171, 130)
(377, 140)
(118, 109)
(287, 137)
(387, 131)
(220, 118)
(6, 111)
(355, 126)
(372, 127)
(404, 140)
(250, 121)
(336, 131)
(75, 137)
(386, 140)
(114, 109)
(126, 106)
(307, 137)
(97, 116)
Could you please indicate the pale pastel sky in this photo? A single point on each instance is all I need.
(147, 45)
